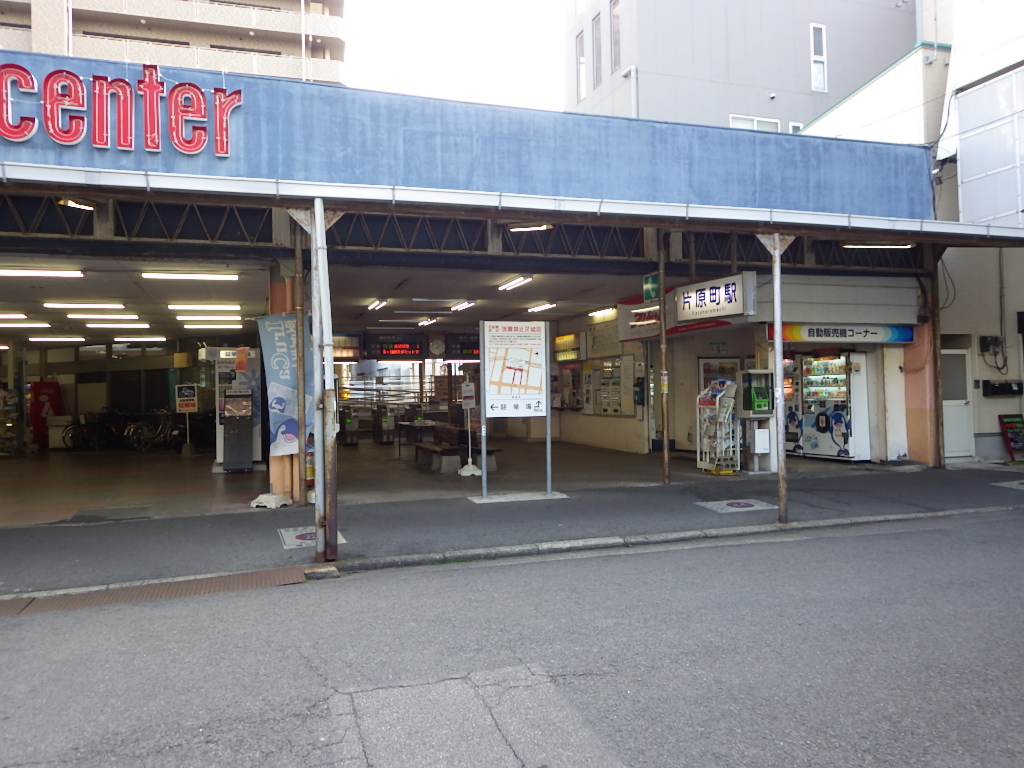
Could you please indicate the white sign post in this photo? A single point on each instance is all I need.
(514, 378)
(468, 404)
(186, 400)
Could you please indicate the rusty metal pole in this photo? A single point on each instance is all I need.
(316, 300)
(663, 384)
(329, 405)
(936, 343)
(299, 481)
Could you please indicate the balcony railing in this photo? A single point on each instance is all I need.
(242, 62)
(220, 15)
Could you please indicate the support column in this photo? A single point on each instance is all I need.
(776, 244)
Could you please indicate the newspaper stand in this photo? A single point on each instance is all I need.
(718, 446)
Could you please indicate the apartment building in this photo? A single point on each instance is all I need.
(282, 38)
(763, 65)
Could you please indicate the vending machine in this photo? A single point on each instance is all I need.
(827, 415)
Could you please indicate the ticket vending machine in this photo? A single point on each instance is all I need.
(237, 430)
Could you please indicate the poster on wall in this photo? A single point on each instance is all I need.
(714, 368)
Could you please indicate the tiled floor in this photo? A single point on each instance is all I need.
(86, 487)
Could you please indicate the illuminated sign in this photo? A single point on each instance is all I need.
(68, 110)
(396, 346)
(462, 346)
(734, 295)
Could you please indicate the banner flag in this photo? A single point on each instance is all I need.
(278, 334)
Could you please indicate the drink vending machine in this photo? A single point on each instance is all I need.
(827, 406)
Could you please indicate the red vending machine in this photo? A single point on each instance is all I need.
(42, 398)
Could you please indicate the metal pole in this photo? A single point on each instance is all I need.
(481, 399)
(318, 396)
(299, 483)
(662, 340)
(936, 343)
(547, 417)
(330, 406)
(780, 401)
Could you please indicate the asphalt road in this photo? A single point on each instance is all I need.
(885, 645)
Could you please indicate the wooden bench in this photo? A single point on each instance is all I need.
(446, 459)
(450, 434)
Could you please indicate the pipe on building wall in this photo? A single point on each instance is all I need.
(633, 75)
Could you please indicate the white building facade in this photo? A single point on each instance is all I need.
(298, 39)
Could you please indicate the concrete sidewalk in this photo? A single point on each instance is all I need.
(64, 556)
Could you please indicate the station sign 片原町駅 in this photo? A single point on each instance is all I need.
(69, 111)
(846, 333)
(721, 297)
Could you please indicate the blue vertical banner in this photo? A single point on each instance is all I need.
(278, 338)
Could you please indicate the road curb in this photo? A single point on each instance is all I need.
(644, 539)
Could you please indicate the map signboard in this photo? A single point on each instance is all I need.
(514, 362)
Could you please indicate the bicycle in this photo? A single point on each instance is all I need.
(102, 430)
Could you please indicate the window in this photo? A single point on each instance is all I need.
(595, 36)
(819, 78)
(796, 127)
(616, 37)
(755, 123)
(581, 69)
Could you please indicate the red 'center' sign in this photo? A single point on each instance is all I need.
(67, 118)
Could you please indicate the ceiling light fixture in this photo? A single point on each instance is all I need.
(5, 272)
(377, 304)
(226, 325)
(56, 338)
(529, 227)
(4, 346)
(141, 338)
(59, 305)
(878, 245)
(540, 307)
(117, 325)
(427, 321)
(208, 317)
(205, 307)
(88, 316)
(13, 316)
(186, 276)
(75, 204)
(604, 311)
(463, 305)
(515, 282)
(24, 325)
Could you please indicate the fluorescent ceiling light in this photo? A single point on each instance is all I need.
(75, 204)
(141, 338)
(406, 322)
(377, 304)
(4, 346)
(59, 305)
(437, 301)
(56, 338)
(428, 321)
(540, 307)
(185, 276)
(463, 305)
(40, 273)
(529, 227)
(205, 307)
(604, 311)
(878, 245)
(12, 316)
(24, 325)
(117, 325)
(101, 317)
(515, 283)
(225, 325)
(208, 317)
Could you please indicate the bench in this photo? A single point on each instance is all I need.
(452, 435)
(446, 459)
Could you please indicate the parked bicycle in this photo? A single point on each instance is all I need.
(100, 430)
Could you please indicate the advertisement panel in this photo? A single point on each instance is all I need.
(278, 334)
